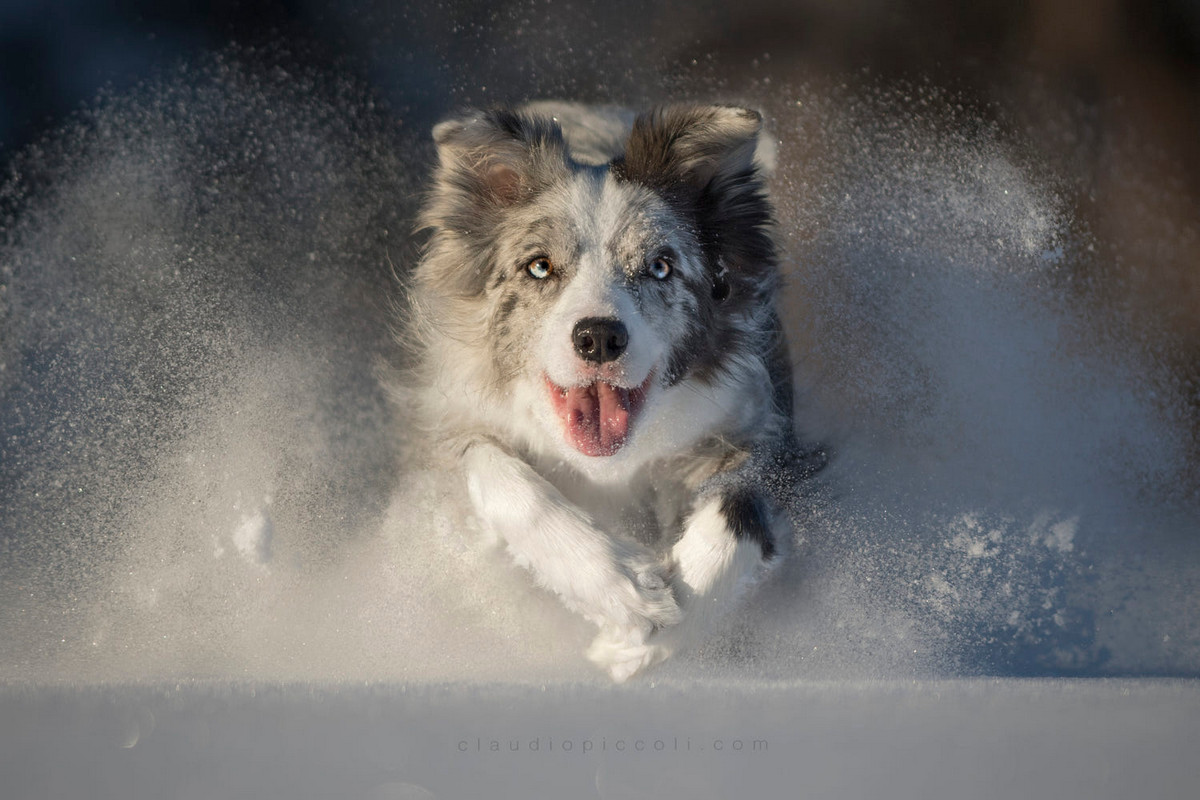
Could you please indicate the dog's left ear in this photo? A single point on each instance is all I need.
(695, 147)
(710, 162)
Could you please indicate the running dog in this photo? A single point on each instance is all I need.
(599, 355)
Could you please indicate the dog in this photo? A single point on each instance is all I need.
(600, 358)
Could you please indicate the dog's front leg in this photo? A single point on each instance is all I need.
(732, 539)
(615, 583)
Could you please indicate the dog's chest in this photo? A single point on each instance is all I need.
(648, 508)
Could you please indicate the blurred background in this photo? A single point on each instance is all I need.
(1110, 89)
(1144, 56)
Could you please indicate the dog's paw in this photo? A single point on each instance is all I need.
(624, 646)
(649, 600)
(624, 653)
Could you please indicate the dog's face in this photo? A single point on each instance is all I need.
(598, 295)
(597, 285)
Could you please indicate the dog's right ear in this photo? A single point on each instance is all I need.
(488, 162)
(497, 158)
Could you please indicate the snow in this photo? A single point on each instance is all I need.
(225, 572)
(252, 538)
(840, 739)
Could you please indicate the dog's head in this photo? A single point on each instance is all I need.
(586, 295)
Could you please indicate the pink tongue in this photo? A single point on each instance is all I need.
(597, 418)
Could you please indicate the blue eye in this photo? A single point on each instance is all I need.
(660, 268)
(540, 268)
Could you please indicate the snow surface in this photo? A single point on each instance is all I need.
(844, 739)
(226, 574)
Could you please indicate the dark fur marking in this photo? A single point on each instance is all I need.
(748, 518)
(506, 308)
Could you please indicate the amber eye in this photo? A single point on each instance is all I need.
(660, 268)
(540, 268)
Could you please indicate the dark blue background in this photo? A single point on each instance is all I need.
(55, 56)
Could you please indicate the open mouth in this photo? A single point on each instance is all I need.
(596, 418)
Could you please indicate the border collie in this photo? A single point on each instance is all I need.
(600, 356)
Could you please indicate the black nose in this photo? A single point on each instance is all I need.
(599, 339)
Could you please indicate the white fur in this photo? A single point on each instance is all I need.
(712, 571)
(613, 582)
